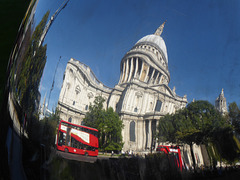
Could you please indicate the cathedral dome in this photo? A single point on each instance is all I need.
(155, 40)
(147, 61)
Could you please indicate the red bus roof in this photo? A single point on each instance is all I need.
(80, 125)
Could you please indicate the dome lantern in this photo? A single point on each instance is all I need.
(159, 30)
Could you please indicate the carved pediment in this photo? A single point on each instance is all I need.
(162, 89)
(166, 90)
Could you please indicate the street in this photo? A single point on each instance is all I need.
(77, 157)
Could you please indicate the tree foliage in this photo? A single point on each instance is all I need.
(108, 124)
(198, 123)
(32, 68)
(26, 74)
(234, 116)
(48, 130)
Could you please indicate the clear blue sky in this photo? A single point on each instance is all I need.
(202, 39)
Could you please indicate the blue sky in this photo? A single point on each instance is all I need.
(202, 39)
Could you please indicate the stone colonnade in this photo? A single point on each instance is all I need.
(135, 67)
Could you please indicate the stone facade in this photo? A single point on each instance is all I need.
(221, 103)
(79, 88)
(141, 96)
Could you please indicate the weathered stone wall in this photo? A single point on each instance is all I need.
(151, 167)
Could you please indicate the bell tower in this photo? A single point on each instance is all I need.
(221, 103)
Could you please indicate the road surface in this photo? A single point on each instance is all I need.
(77, 157)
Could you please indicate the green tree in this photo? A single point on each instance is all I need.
(95, 117)
(108, 124)
(166, 129)
(26, 76)
(48, 131)
(234, 116)
(32, 68)
(198, 123)
(113, 130)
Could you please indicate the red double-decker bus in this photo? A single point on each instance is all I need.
(173, 150)
(77, 139)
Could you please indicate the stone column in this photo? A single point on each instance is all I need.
(136, 134)
(172, 106)
(155, 80)
(145, 79)
(136, 68)
(131, 100)
(137, 130)
(152, 75)
(126, 72)
(150, 134)
(126, 135)
(131, 70)
(123, 72)
(121, 75)
(144, 102)
(141, 70)
(160, 79)
(143, 135)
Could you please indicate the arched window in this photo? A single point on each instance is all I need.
(70, 119)
(132, 131)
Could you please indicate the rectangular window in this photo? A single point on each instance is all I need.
(158, 106)
(132, 131)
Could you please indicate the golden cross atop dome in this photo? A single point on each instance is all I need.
(159, 30)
